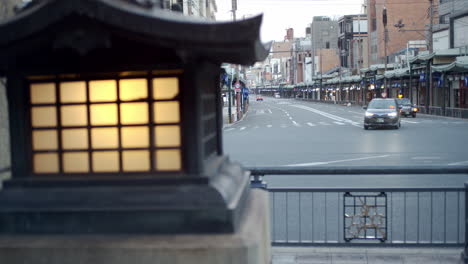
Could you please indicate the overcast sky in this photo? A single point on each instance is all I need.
(282, 14)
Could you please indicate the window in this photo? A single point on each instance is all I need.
(106, 126)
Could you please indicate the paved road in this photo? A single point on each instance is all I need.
(295, 133)
(292, 132)
(288, 132)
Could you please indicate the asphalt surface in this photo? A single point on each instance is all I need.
(297, 133)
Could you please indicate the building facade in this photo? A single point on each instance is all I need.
(199, 8)
(412, 14)
(352, 41)
(324, 40)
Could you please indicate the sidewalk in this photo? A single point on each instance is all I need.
(234, 115)
(362, 255)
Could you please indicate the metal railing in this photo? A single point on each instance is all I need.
(320, 216)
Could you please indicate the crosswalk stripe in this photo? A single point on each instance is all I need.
(242, 128)
(412, 122)
(269, 126)
(323, 123)
(310, 124)
(339, 123)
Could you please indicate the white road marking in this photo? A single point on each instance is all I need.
(242, 128)
(328, 115)
(339, 123)
(412, 122)
(458, 163)
(269, 110)
(229, 129)
(296, 124)
(290, 118)
(334, 161)
(426, 158)
(310, 124)
(323, 123)
(269, 126)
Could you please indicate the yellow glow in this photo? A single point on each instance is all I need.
(74, 115)
(166, 112)
(104, 114)
(103, 91)
(105, 161)
(74, 139)
(134, 113)
(135, 137)
(133, 89)
(75, 162)
(102, 138)
(136, 160)
(45, 140)
(44, 116)
(167, 136)
(73, 92)
(165, 88)
(43, 93)
(46, 163)
(168, 160)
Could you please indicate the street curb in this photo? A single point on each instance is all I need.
(233, 123)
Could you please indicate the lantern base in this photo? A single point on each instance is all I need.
(249, 245)
(210, 203)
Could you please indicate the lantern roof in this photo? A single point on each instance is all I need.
(233, 42)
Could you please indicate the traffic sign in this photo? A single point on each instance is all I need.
(237, 86)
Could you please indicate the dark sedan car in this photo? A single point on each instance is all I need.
(407, 108)
(382, 113)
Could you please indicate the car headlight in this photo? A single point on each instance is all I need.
(394, 114)
(369, 114)
(415, 109)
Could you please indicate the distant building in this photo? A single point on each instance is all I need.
(324, 32)
(199, 8)
(326, 60)
(289, 34)
(414, 16)
(353, 41)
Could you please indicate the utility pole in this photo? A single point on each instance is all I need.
(431, 49)
(238, 99)
(384, 19)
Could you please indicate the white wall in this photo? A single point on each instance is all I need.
(441, 40)
(460, 32)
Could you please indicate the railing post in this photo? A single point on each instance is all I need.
(258, 182)
(465, 251)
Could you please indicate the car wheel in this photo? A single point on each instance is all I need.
(366, 127)
(414, 115)
(397, 126)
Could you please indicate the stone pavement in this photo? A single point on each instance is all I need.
(361, 255)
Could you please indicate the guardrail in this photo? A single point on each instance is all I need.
(365, 216)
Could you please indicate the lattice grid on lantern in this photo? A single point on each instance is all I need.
(106, 126)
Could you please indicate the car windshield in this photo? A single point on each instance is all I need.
(404, 101)
(382, 104)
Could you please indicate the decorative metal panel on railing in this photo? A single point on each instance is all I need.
(365, 216)
(433, 216)
(405, 216)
